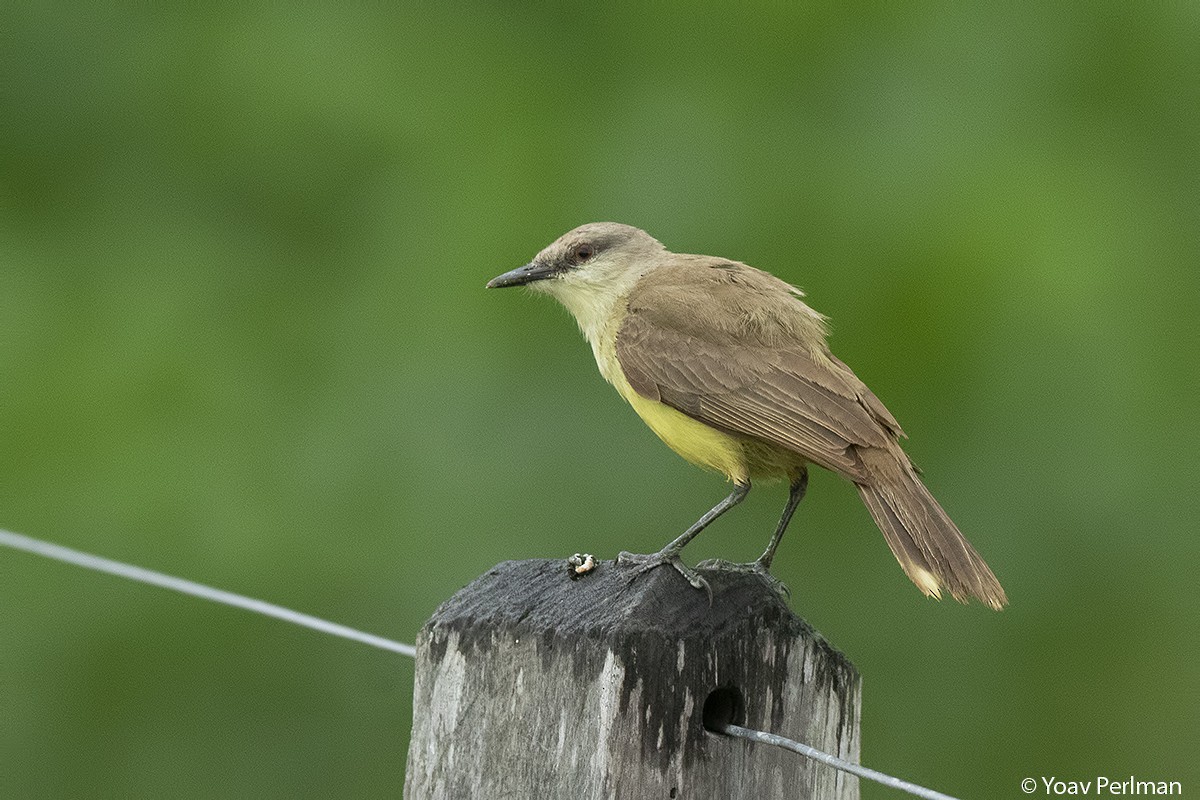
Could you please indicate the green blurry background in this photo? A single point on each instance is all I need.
(244, 339)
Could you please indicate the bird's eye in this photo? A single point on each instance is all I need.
(583, 253)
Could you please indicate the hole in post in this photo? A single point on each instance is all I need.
(724, 706)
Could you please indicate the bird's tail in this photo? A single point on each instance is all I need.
(933, 552)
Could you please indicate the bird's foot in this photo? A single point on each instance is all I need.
(648, 561)
(749, 568)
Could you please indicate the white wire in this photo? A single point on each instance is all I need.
(89, 561)
(833, 761)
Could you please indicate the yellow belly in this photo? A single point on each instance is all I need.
(739, 458)
(695, 441)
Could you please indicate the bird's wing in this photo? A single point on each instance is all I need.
(736, 349)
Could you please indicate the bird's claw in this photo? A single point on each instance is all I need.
(751, 568)
(648, 561)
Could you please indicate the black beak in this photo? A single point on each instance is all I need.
(522, 275)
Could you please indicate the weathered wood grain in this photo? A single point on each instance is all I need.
(532, 684)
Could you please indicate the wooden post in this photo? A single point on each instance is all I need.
(533, 684)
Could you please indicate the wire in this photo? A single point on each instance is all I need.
(825, 758)
(88, 561)
(141, 575)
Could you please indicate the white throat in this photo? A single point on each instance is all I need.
(595, 295)
(592, 305)
(598, 304)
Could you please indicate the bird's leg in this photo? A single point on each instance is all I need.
(762, 564)
(670, 553)
(795, 495)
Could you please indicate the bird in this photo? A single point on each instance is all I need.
(731, 368)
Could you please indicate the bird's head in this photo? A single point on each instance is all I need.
(589, 268)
